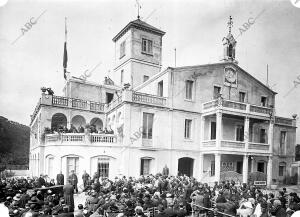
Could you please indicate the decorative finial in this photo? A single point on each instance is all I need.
(230, 24)
(139, 7)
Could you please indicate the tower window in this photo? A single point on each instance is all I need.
(122, 76)
(146, 77)
(263, 101)
(160, 88)
(230, 51)
(242, 96)
(189, 89)
(217, 92)
(146, 46)
(122, 49)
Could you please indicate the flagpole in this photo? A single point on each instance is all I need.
(65, 58)
(65, 29)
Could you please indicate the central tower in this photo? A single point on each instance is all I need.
(138, 53)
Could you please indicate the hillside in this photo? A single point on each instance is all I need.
(14, 142)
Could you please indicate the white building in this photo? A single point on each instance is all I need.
(203, 120)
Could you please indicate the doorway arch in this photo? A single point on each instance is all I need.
(186, 166)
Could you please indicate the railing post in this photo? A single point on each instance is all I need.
(127, 95)
(46, 99)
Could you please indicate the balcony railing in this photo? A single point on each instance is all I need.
(209, 143)
(232, 144)
(80, 138)
(259, 146)
(72, 137)
(260, 109)
(236, 106)
(59, 100)
(236, 145)
(148, 99)
(284, 121)
(103, 138)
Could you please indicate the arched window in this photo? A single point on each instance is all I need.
(78, 121)
(230, 51)
(97, 122)
(57, 120)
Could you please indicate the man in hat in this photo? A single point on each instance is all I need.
(74, 180)
(85, 179)
(69, 195)
(41, 181)
(60, 179)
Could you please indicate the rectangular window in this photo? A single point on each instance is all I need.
(147, 125)
(103, 167)
(122, 76)
(242, 96)
(145, 166)
(240, 133)
(122, 49)
(146, 77)
(213, 128)
(187, 128)
(217, 92)
(146, 46)
(72, 164)
(263, 101)
(282, 142)
(263, 136)
(212, 168)
(109, 97)
(189, 89)
(160, 88)
(282, 169)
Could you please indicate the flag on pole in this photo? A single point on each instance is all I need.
(65, 61)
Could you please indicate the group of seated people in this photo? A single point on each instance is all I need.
(158, 196)
(81, 129)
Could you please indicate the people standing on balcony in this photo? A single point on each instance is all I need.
(60, 179)
(105, 130)
(80, 129)
(74, 180)
(73, 129)
(110, 131)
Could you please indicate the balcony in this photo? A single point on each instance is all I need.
(236, 107)
(79, 138)
(137, 97)
(259, 146)
(237, 146)
(285, 121)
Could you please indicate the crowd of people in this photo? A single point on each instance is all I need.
(152, 195)
(79, 129)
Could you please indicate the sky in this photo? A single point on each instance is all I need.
(194, 27)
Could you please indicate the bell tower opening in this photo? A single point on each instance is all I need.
(229, 44)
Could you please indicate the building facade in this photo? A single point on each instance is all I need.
(212, 122)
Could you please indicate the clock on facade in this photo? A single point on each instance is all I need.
(230, 76)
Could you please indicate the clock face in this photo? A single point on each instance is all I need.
(230, 75)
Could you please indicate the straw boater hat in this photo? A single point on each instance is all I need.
(17, 197)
